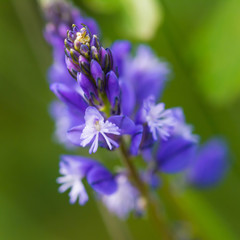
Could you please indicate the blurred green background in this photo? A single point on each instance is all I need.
(201, 41)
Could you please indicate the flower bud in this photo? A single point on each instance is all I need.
(94, 53)
(113, 91)
(84, 64)
(104, 59)
(87, 86)
(95, 41)
(97, 74)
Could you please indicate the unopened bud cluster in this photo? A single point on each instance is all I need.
(92, 66)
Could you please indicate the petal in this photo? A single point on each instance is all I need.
(121, 50)
(128, 99)
(74, 134)
(178, 114)
(73, 164)
(175, 154)
(92, 114)
(136, 140)
(112, 88)
(210, 164)
(58, 73)
(101, 180)
(147, 73)
(125, 124)
(96, 72)
(69, 96)
(88, 88)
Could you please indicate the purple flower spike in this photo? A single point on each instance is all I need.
(84, 54)
(75, 168)
(97, 73)
(175, 154)
(210, 164)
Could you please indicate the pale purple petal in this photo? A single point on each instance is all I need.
(209, 165)
(75, 133)
(175, 154)
(101, 180)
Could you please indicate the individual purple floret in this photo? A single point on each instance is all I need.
(209, 165)
(160, 121)
(96, 130)
(174, 154)
(75, 168)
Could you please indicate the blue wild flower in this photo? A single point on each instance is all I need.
(107, 97)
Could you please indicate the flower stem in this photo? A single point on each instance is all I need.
(153, 206)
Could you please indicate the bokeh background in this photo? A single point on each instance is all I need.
(201, 41)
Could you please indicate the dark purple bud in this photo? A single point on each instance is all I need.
(72, 68)
(110, 65)
(84, 64)
(97, 74)
(84, 50)
(95, 53)
(112, 89)
(71, 35)
(104, 59)
(87, 86)
(68, 44)
(75, 28)
(67, 52)
(77, 45)
(95, 41)
(85, 28)
(74, 55)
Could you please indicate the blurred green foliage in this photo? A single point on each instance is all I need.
(200, 39)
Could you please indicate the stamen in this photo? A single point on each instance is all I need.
(83, 37)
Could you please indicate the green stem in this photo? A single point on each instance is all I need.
(153, 206)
